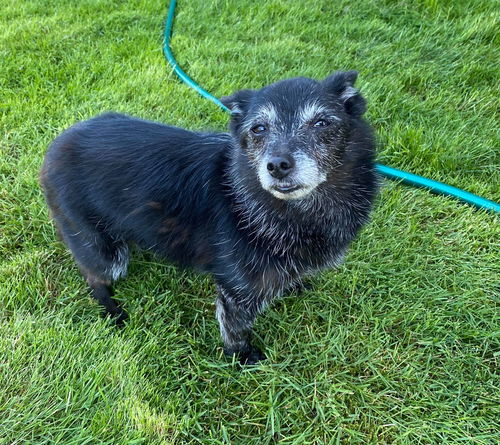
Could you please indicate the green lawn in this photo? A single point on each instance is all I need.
(400, 345)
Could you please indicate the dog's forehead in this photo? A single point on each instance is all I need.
(291, 93)
(288, 100)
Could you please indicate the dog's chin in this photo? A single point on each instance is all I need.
(288, 193)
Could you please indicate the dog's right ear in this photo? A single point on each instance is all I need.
(239, 102)
(341, 84)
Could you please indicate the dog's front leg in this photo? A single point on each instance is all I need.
(236, 319)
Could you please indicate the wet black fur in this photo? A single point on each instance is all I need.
(194, 199)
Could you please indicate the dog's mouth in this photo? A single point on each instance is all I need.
(284, 188)
(290, 191)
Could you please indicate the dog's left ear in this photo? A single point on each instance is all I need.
(341, 84)
(239, 102)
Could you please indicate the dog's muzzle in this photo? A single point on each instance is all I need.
(288, 176)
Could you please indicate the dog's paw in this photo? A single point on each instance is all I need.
(299, 288)
(254, 356)
(247, 356)
(119, 318)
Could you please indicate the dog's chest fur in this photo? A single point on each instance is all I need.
(271, 249)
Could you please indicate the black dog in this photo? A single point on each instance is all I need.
(280, 197)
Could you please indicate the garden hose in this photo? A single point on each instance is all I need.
(388, 172)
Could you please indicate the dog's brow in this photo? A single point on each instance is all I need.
(309, 111)
(267, 113)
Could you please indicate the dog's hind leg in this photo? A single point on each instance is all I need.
(235, 322)
(100, 258)
(103, 292)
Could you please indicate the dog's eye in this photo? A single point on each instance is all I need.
(258, 129)
(321, 123)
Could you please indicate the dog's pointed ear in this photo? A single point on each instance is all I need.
(341, 84)
(239, 102)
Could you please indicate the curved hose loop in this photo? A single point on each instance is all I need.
(388, 172)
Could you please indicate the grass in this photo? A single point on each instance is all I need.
(400, 345)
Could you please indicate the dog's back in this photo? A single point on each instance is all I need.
(137, 181)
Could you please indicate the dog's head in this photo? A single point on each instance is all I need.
(294, 132)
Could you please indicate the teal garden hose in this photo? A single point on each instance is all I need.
(388, 172)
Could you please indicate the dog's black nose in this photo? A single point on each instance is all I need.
(280, 166)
